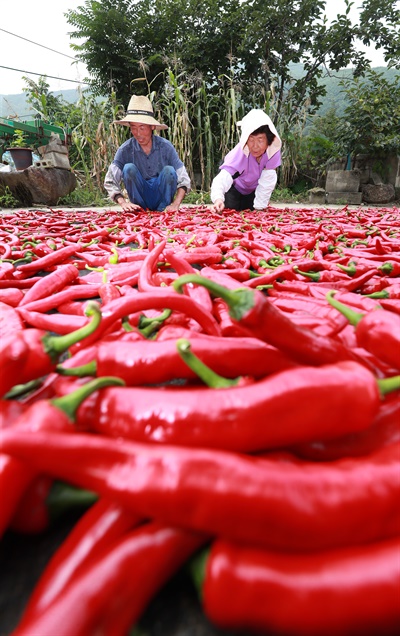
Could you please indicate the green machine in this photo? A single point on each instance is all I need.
(37, 132)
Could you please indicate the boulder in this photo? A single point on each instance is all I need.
(378, 193)
(39, 185)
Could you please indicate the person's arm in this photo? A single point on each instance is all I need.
(179, 196)
(220, 185)
(264, 189)
(112, 184)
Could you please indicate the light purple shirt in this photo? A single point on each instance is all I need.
(248, 168)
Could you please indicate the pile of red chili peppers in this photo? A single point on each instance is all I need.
(219, 388)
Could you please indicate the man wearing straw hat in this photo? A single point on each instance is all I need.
(247, 175)
(153, 175)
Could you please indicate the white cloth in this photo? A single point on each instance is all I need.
(221, 184)
(264, 189)
(253, 120)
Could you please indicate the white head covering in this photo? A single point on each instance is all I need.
(140, 111)
(253, 120)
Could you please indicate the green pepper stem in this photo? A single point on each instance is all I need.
(197, 568)
(62, 497)
(240, 301)
(350, 270)
(22, 389)
(352, 316)
(70, 403)
(378, 294)
(55, 345)
(315, 276)
(387, 385)
(80, 372)
(207, 375)
(145, 321)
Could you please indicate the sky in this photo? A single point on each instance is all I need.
(44, 23)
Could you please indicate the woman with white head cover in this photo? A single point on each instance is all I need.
(247, 175)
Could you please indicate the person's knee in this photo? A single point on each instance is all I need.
(169, 175)
(130, 171)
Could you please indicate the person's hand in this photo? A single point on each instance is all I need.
(128, 206)
(172, 207)
(218, 206)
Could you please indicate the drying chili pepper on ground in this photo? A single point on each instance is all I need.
(286, 502)
(32, 353)
(378, 331)
(246, 418)
(253, 311)
(348, 591)
(111, 593)
(154, 362)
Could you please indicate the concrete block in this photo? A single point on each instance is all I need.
(342, 181)
(43, 164)
(58, 159)
(316, 195)
(344, 197)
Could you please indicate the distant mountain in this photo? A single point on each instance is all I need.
(12, 106)
(16, 105)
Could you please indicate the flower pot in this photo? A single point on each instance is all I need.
(22, 157)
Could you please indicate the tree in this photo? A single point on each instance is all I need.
(132, 45)
(371, 122)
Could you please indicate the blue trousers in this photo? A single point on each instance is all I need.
(151, 194)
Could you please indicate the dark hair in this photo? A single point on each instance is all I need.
(264, 130)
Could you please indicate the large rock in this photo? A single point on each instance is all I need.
(378, 193)
(39, 185)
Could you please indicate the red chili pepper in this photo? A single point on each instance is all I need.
(11, 296)
(108, 292)
(253, 311)
(10, 322)
(54, 300)
(348, 591)
(45, 501)
(182, 266)
(154, 362)
(57, 323)
(390, 292)
(385, 430)
(160, 299)
(239, 419)
(33, 353)
(377, 331)
(112, 591)
(50, 284)
(19, 284)
(54, 258)
(284, 505)
(102, 524)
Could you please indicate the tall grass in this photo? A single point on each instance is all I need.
(201, 119)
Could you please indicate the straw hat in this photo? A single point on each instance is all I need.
(253, 120)
(140, 111)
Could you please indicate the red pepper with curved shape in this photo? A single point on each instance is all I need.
(377, 331)
(44, 415)
(50, 284)
(98, 528)
(253, 311)
(385, 430)
(49, 260)
(110, 594)
(285, 505)
(154, 362)
(348, 591)
(251, 418)
(33, 353)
